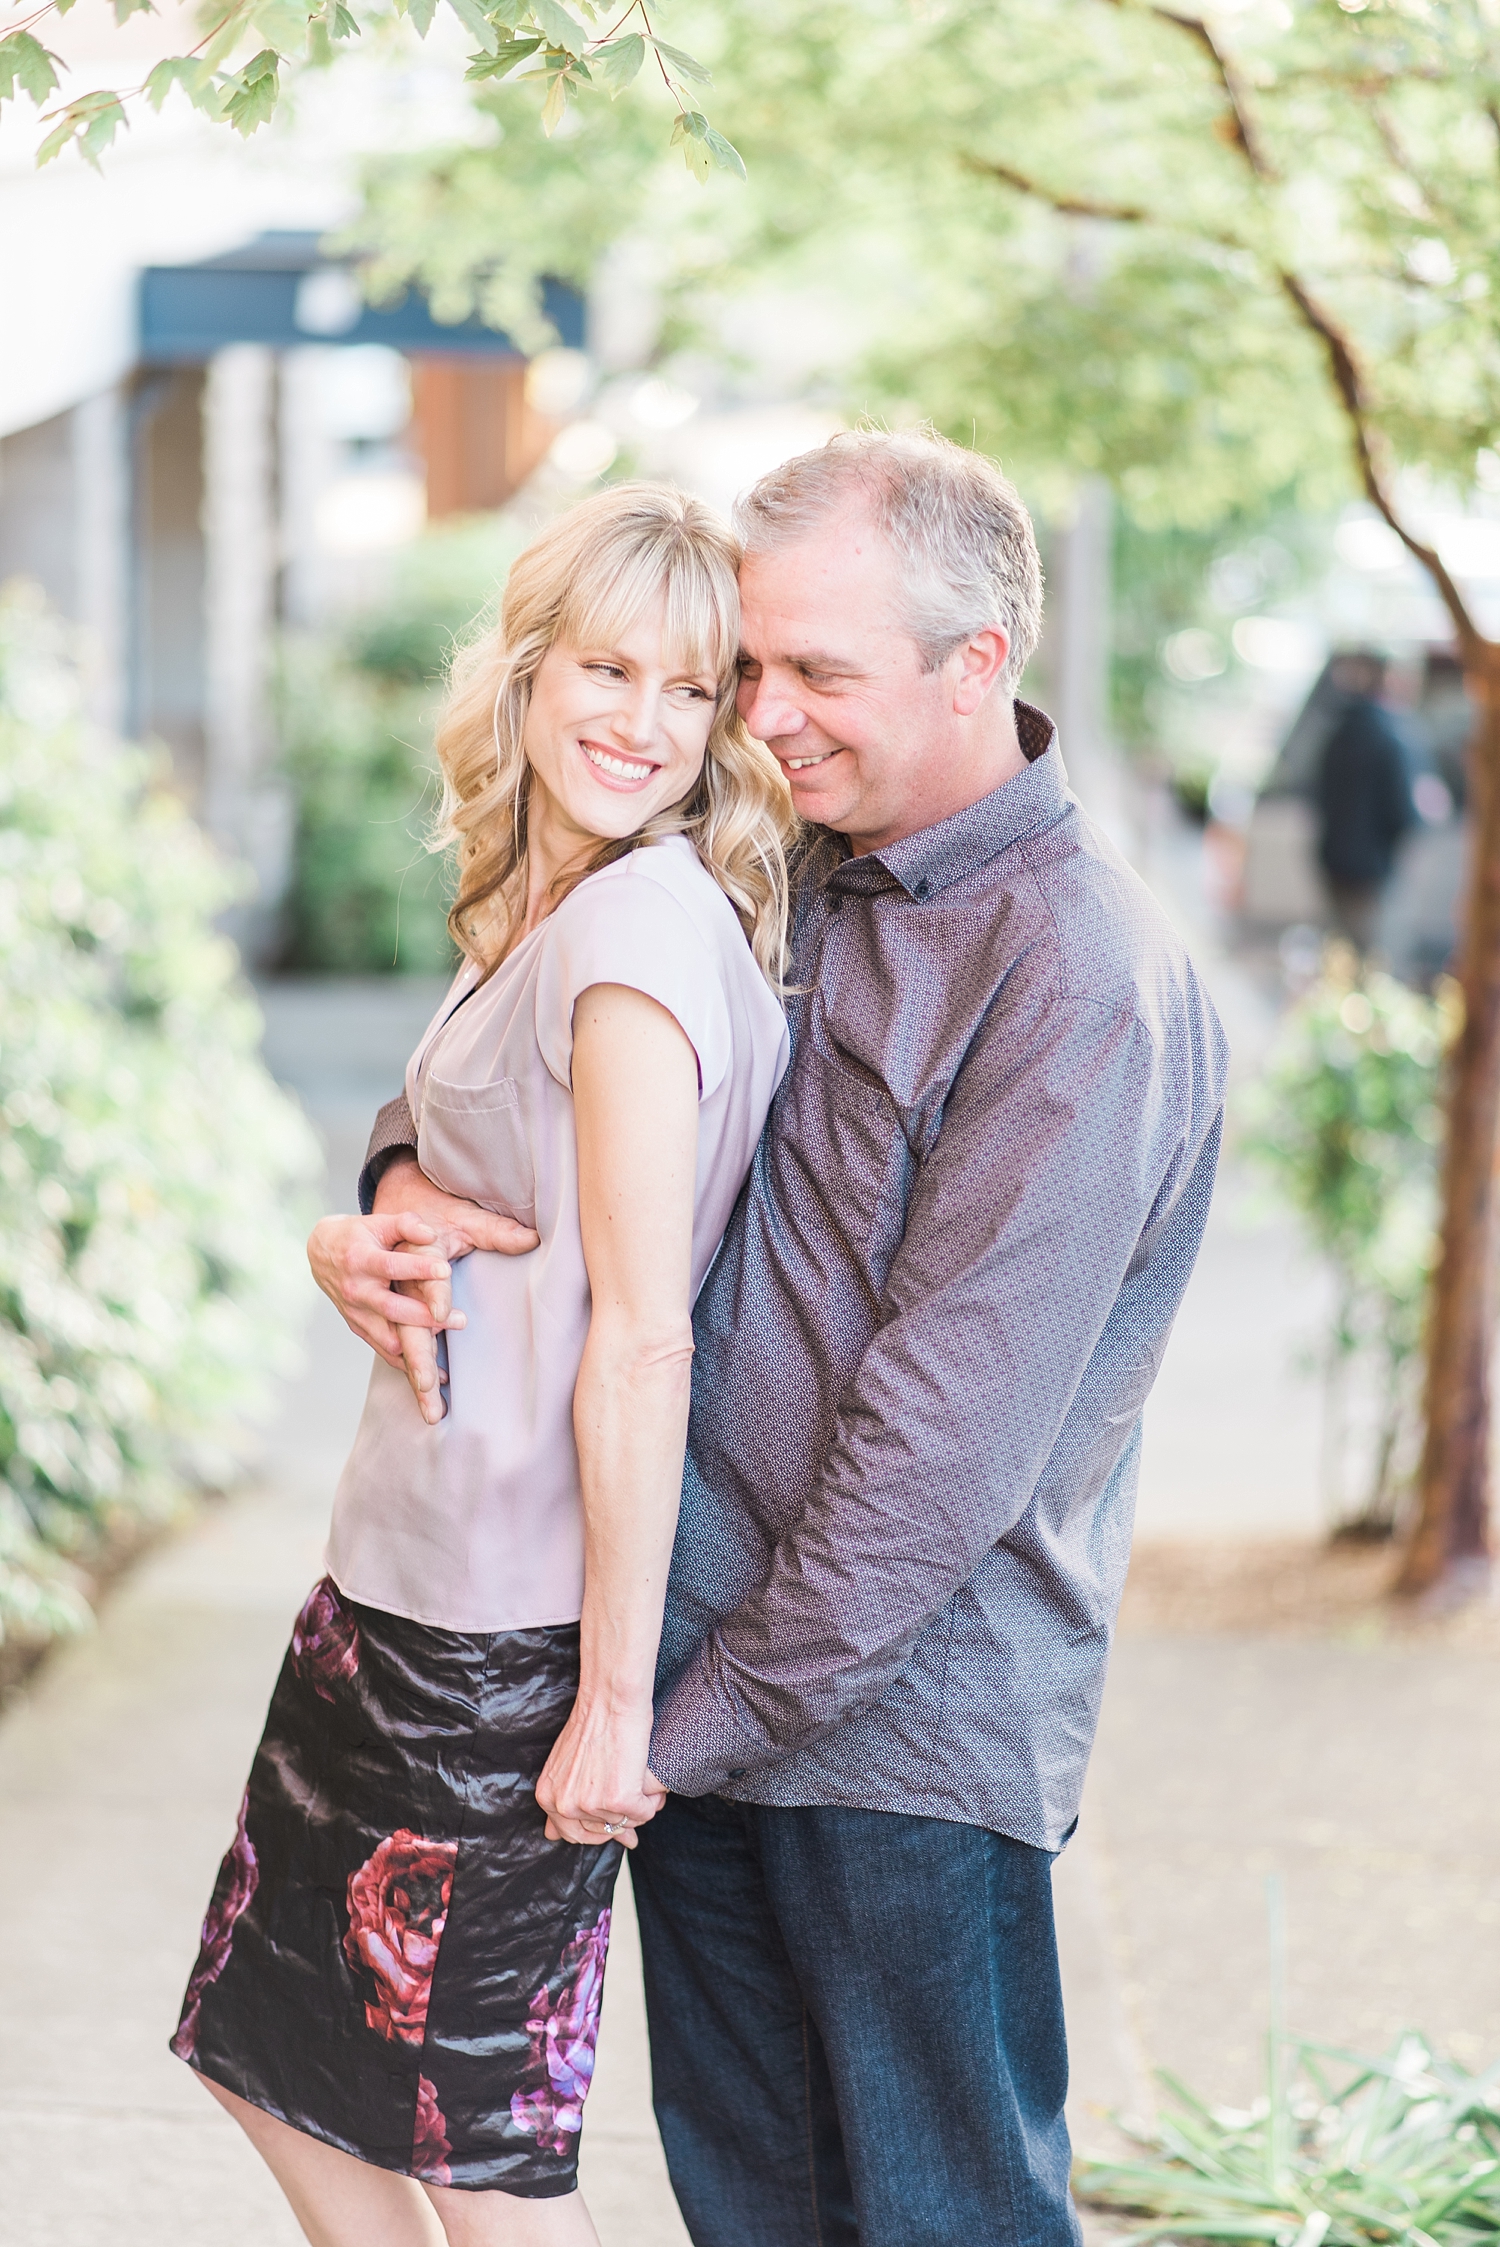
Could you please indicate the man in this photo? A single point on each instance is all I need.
(921, 1359)
(1364, 799)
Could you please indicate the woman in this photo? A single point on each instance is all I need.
(398, 1990)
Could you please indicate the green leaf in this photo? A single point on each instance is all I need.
(724, 153)
(24, 61)
(251, 94)
(615, 65)
(57, 140)
(561, 29)
(477, 23)
(344, 25)
(420, 13)
(101, 128)
(192, 75)
(556, 103)
(125, 9)
(684, 65)
(506, 56)
(690, 133)
(227, 35)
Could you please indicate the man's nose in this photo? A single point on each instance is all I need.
(769, 710)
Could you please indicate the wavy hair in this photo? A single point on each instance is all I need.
(584, 582)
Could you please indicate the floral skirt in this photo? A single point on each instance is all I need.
(395, 1958)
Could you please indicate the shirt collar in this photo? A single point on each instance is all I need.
(924, 863)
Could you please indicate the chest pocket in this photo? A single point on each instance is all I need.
(471, 1141)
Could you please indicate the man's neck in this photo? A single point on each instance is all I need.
(988, 762)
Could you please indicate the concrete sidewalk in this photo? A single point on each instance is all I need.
(121, 1773)
(1368, 1774)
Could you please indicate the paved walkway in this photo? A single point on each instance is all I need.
(1369, 1775)
(120, 1776)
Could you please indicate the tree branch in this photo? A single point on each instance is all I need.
(1072, 206)
(1347, 379)
(1349, 384)
(1245, 131)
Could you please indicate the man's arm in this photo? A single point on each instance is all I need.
(1061, 1146)
(393, 1139)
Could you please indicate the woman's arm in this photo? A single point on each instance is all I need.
(635, 1097)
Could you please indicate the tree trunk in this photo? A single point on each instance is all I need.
(1453, 1524)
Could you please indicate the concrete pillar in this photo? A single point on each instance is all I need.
(101, 546)
(244, 803)
(1078, 623)
(310, 462)
(1078, 644)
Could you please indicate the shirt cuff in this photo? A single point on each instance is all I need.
(394, 1134)
(701, 1743)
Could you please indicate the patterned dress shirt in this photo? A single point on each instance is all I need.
(924, 1346)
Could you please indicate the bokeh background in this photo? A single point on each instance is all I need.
(275, 414)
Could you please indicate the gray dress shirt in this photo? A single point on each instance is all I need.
(924, 1346)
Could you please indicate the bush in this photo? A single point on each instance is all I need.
(1343, 2151)
(1348, 1124)
(151, 1173)
(356, 718)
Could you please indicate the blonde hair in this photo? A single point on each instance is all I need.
(585, 581)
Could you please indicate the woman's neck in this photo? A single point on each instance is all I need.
(554, 848)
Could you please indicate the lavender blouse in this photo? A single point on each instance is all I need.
(476, 1524)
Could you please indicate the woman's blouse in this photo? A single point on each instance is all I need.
(476, 1523)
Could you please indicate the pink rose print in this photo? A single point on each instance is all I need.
(398, 1908)
(563, 2036)
(429, 2146)
(325, 1640)
(238, 1875)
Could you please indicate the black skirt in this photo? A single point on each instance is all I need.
(395, 1958)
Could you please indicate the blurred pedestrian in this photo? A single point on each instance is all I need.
(921, 1359)
(1364, 798)
(398, 1990)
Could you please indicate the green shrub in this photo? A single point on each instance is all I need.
(366, 897)
(356, 718)
(1347, 1124)
(151, 1173)
(1343, 2151)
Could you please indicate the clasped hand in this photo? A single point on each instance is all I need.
(597, 1785)
(390, 1276)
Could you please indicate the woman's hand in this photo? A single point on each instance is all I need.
(597, 1777)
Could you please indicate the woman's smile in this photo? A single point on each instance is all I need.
(618, 768)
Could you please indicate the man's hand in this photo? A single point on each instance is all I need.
(388, 1275)
(360, 1261)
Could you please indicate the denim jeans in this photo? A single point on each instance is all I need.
(856, 2028)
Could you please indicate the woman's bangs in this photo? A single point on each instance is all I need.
(611, 594)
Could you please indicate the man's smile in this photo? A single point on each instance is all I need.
(800, 764)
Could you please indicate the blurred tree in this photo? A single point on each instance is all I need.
(155, 1184)
(222, 77)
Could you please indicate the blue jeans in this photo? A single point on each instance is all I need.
(856, 2028)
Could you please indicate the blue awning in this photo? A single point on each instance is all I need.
(282, 290)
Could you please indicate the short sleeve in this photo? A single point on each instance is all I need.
(628, 928)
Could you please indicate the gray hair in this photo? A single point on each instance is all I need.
(959, 526)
